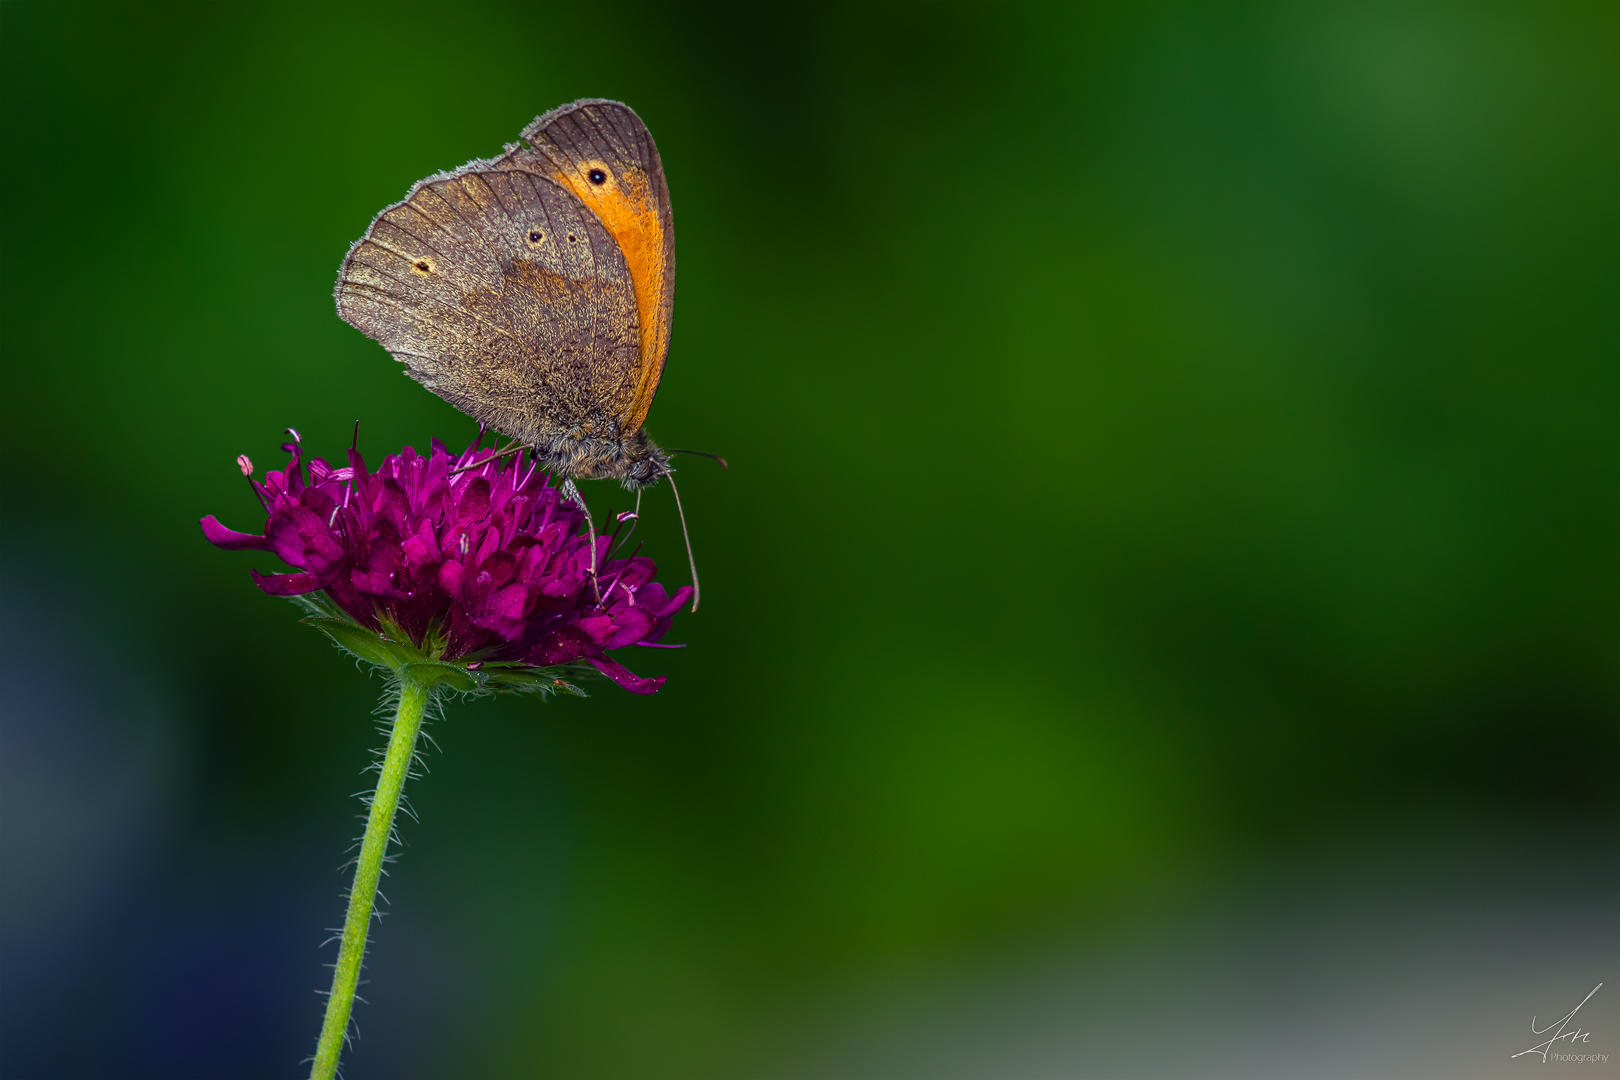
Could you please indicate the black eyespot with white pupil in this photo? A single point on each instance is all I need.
(596, 176)
(534, 237)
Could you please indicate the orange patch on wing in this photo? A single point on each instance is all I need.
(627, 209)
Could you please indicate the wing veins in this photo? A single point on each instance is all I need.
(428, 297)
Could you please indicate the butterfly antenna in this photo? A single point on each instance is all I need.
(697, 591)
(704, 453)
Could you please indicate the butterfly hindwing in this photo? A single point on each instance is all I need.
(504, 295)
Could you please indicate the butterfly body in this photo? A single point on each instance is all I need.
(534, 290)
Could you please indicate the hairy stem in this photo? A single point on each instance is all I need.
(413, 701)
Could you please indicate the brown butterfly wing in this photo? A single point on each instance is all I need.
(506, 297)
(601, 152)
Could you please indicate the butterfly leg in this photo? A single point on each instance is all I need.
(513, 447)
(571, 494)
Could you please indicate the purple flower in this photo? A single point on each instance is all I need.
(481, 566)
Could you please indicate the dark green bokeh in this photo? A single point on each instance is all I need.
(1162, 437)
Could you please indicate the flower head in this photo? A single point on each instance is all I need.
(480, 565)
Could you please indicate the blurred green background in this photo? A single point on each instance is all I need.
(1171, 445)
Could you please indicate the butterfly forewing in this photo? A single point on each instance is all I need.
(602, 153)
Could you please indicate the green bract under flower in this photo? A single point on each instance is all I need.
(391, 650)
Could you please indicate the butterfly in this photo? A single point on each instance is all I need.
(534, 290)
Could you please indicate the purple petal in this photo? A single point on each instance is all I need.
(560, 647)
(286, 584)
(599, 627)
(667, 608)
(630, 625)
(627, 678)
(474, 504)
(230, 539)
(304, 540)
(377, 583)
(421, 549)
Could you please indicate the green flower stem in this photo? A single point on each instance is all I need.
(413, 699)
